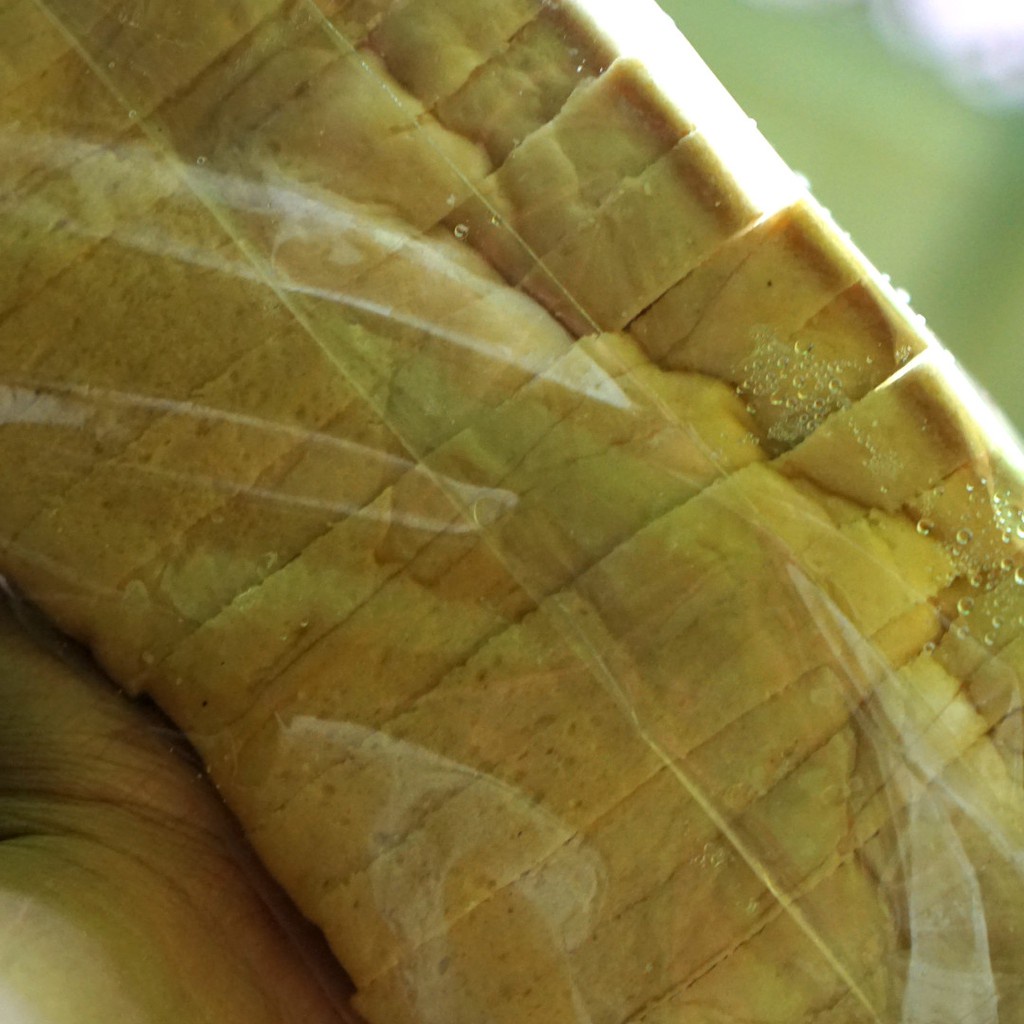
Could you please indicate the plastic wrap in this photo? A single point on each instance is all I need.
(594, 593)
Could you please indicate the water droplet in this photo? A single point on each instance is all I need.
(965, 605)
(925, 527)
(929, 648)
(461, 231)
(200, 161)
(1018, 576)
(964, 537)
(835, 385)
(111, 65)
(133, 115)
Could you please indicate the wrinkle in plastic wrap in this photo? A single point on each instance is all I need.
(595, 594)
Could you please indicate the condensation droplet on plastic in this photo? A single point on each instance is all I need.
(451, 199)
(965, 605)
(835, 385)
(1018, 575)
(925, 527)
(200, 161)
(929, 648)
(461, 231)
(964, 537)
(990, 639)
(133, 115)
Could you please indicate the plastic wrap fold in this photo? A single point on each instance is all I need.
(596, 595)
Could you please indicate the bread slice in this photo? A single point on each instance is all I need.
(523, 86)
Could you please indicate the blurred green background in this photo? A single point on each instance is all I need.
(930, 186)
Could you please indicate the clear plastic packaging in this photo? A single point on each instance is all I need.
(592, 590)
